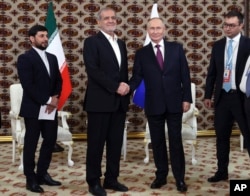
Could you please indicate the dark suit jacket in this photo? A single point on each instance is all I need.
(37, 84)
(216, 67)
(164, 90)
(104, 75)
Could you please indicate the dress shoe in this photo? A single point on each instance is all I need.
(58, 148)
(181, 186)
(116, 186)
(218, 177)
(97, 190)
(158, 183)
(34, 187)
(46, 179)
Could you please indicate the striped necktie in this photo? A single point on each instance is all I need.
(159, 56)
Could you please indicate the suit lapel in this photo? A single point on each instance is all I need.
(50, 64)
(108, 46)
(151, 55)
(122, 53)
(166, 55)
(38, 60)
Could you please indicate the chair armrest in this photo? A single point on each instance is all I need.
(64, 115)
(190, 118)
(15, 122)
(189, 114)
(13, 115)
(196, 111)
(193, 111)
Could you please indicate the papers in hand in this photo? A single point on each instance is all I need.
(43, 115)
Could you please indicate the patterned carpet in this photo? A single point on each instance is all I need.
(134, 172)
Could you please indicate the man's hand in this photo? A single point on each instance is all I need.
(207, 103)
(123, 89)
(54, 101)
(185, 106)
(53, 104)
(49, 109)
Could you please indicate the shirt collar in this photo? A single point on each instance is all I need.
(236, 38)
(39, 51)
(161, 43)
(109, 37)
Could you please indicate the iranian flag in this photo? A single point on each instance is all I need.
(55, 47)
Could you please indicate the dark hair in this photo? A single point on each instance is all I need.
(33, 30)
(235, 13)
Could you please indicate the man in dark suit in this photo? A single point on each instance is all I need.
(41, 82)
(224, 74)
(105, 58)
(167, 96)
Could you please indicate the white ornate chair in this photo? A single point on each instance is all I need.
(189, 129)
(241, 142)
(18, 129)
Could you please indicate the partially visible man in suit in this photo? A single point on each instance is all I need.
(105, 58)
(228, 59)
(164, 68)
(41, 81)
(245, 88)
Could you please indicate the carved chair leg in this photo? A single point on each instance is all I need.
(70, 151)
(146, 159)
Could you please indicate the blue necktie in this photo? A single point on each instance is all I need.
(229, 64)
(248, 85)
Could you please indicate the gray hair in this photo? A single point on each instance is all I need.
(99, 14)
(148, 24)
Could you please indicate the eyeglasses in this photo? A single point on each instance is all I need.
(230, 26)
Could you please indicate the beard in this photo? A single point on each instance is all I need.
(41, 47)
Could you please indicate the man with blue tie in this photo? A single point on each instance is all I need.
(227, 64)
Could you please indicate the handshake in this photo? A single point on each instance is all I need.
(123, 89)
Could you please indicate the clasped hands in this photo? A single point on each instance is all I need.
(123, 89)
(53, 104)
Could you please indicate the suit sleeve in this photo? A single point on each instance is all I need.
(137, 74)
(185, 74)
(58, 78)
(211, 76)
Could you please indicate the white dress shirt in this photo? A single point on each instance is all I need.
(114, 44)
(162, 49)
(235, 43)
(43, 56)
